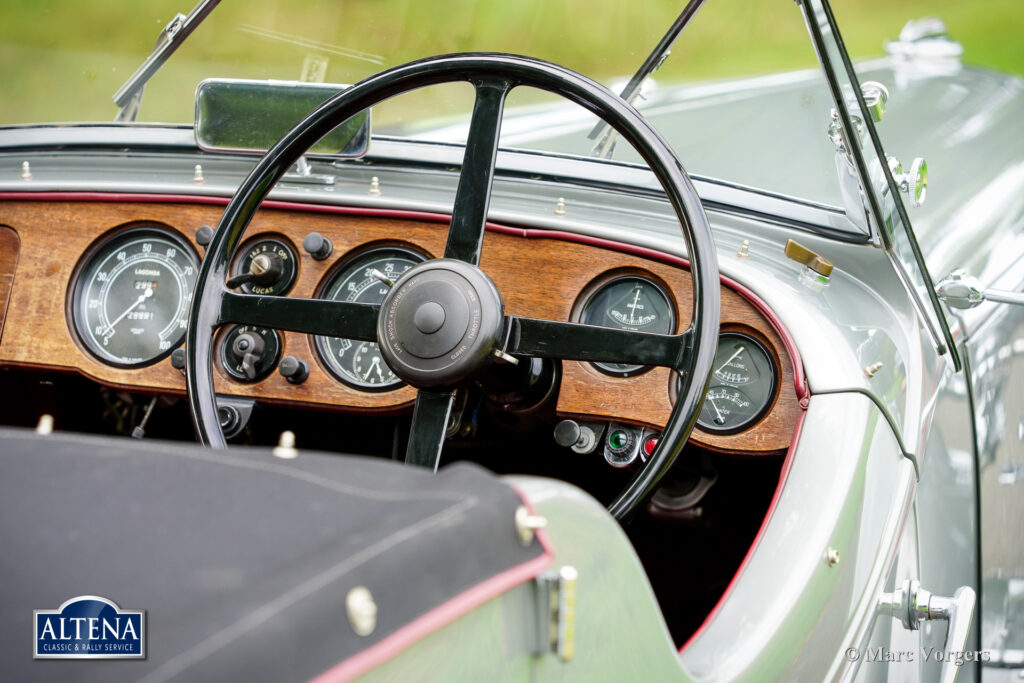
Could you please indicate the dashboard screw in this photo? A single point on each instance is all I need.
(26, 171)
(375, 186)
(744, 251)
(560, 207)
(197, 175)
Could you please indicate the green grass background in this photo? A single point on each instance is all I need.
(63, 60)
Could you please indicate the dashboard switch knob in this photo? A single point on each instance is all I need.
(204, 235)
(293, 369)
(567, 433)
(318, 246)
(264, 269)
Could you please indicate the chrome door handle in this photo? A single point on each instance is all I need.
(912, 604)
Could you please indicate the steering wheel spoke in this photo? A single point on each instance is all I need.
(429, 424)
(576, 341)
(312, 316)
(469, 216)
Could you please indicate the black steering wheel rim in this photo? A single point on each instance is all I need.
(691, 353)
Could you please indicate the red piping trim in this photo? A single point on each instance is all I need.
(799, 379)
(443, 614)
(787, 465)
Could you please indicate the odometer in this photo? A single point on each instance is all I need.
(132, 296)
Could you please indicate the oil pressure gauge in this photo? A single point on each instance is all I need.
(742, 385)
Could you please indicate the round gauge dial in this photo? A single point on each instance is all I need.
(357, 363)
(132, 296)
(269, 266)
(249, 353)
(742, 385)
(629, 303)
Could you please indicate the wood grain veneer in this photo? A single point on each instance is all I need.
(540, 278)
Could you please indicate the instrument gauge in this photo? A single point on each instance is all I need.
(632, 303)
(742, 385)
(132, 295)
(359, 364)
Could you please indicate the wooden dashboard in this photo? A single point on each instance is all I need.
(539, 277)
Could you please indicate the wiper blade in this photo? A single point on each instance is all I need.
(129, 96)
(654, 60)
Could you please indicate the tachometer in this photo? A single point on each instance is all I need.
(630, 303)
(356, 363)
(131, 298)
(742, 385)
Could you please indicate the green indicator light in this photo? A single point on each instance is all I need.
(618, 439)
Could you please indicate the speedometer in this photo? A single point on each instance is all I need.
(359, 364)
(132, 296)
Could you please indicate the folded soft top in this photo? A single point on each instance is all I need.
(242, 561)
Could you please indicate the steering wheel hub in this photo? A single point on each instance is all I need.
(439, 323)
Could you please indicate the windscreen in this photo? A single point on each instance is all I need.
(740, 98)
(883, 203)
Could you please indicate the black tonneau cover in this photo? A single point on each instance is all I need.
(242, 561)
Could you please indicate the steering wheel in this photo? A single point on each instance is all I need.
(444, 322)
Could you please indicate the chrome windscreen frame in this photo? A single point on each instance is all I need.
(885, 226)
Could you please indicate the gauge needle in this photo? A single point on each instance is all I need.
(738, 352)
(718, 420)
(632, 306)
(142, 297)
(374, 363)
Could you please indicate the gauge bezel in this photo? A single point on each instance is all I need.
(773, 389)
(595, 286)
(266, 237)
(346, 261)
(98, 248)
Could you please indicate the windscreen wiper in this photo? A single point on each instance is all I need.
(129, 96)
(606, 144)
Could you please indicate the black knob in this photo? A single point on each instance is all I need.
(178, 359)
(567, 433)
(318, 246)
(204, 235)
(293, 369)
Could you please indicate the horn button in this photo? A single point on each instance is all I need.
(439, 323)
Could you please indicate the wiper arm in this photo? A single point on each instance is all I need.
(129, 96)
(661, 51)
